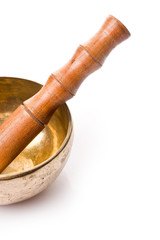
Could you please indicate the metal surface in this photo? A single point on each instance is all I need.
(43, 159)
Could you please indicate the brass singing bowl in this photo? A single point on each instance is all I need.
(43, 159)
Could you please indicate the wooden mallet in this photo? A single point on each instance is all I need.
(31, 117)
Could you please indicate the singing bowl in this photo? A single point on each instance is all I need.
(43, 159)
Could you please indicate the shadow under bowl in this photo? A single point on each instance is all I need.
(43, 159)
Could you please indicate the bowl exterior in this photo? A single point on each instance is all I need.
(24, 187)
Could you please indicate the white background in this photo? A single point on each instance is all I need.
(110, 187)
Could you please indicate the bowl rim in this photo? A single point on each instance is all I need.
(9, 176)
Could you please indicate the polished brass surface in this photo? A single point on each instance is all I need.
(50, 148)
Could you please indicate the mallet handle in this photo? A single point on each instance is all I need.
(29, 119)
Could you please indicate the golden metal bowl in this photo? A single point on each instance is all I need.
(43, 159)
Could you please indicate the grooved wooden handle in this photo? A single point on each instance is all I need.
(29, 119)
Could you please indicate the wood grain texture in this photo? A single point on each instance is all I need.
(17, 132)
(26, 122)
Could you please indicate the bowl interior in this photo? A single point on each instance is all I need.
(13, 91)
